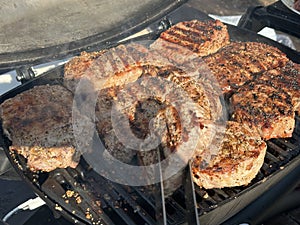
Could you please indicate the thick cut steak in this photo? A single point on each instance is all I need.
(239, 159)
(190, 39)
(236, 63)
(265, 108)
(39, 124)
(287, 79)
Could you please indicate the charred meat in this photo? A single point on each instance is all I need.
(264, 108)
(236, 63)
(287, 79)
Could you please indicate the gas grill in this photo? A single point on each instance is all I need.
(82, 196)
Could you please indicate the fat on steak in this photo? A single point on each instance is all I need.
(239, 158)
(191, 39)
(265, 108)
(39, 124)
(237, 62)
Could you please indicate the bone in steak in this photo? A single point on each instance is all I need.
(39, 124)
(191, 39)
(236, 63)
(240, 157)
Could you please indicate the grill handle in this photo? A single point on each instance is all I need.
(276, 16)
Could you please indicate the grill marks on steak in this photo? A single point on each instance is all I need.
(132, 74)
(105, 127)
(39, 124)
(114, 67)
(191, 39)
(145, 99)
(141, 101)
(240, 157)
(199, 90)
(268, 102)
(236, 63)
(265, 108)
(286, 79)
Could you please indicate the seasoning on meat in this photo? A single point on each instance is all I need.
(158, 95)
(39, 124)
(265, 108)
(286, 78)
(114, 67)
(191, 39)
(239, 159)
(236, 63)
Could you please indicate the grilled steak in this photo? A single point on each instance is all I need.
(114, 67)
(239, 159)
(190, 39)
(117, 75)
(287, 79)
(236, 63)
(39, 124)
(265, 108)
(157, 111)
(106, 131)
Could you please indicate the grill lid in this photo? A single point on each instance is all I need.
(37, 31)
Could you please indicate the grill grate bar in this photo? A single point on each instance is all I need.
(277, 151)
(128, 197)
(271, 159)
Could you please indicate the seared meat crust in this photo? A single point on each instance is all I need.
(39, 124)
(114, 67)
(236, 63)
(265, 108)
(287, 79)
(191, 39)
(239, 159)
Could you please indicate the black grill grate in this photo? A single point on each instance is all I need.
(90, 198)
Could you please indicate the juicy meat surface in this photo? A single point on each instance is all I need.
(239, 158)
(39, 124)
(190, 39)
(236, 63)
(264, 108)
(287, 79)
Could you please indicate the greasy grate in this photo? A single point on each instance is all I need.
(91, 198)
